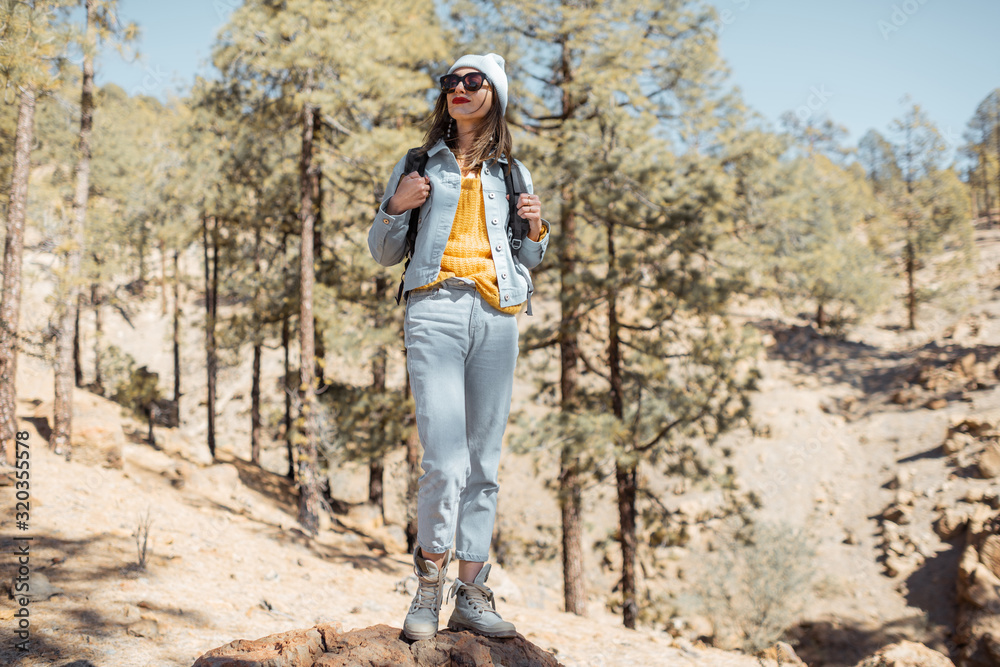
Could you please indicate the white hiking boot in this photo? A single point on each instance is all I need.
(475, 609)
(422, 619)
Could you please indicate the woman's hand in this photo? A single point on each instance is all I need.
(529, 207)
(411, 192)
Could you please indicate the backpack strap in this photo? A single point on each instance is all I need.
(517, 227)
(416, 161)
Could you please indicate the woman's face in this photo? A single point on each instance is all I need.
(465, 106)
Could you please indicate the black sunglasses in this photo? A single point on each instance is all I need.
(472, 82)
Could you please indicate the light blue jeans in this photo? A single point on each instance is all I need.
(460, 353)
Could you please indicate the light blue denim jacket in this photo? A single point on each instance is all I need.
(387, 236)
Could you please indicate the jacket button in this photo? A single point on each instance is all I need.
(499, 247)
(385, 220)
(495, 221)
(493, 195)
(506, 297)
(503, 275)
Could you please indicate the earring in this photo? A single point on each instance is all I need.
(448, 137)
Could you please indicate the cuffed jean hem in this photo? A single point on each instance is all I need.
(465, 555)
(431, 551)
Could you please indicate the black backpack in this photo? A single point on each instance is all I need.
(517, 227)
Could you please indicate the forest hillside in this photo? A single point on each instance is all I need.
(755, 407)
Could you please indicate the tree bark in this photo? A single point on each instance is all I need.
(95, 303)
(13, 253)
(412, 475)
(984, 161)
(625, 467)
(287, 390)
(62, 427)
(570, 494)
(211, 283)
(177, 339)
(309, 495)
(256, 325)
(625, 479)
(317, 197)
(163, 280)
(77, 361)
(376, 467)
(911, 290)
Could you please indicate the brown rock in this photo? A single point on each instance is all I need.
(977, 624)
(989, 461)
(906, 654)
(956, 442)
(965, 365)
(950, 523)
(989, 554)
(974, 427)
(325, 646)
(783, 654)
(297, 648)
(936, 403)
(897, 514)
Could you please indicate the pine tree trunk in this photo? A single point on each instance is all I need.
(95, 303)
(62, 427)
(911, 291)
(625, 479)
(141, 249)
(820, 316)
(177, 339)
(570, 494)
(256, 324)
(163, 280)
(412, 476)
(13, 253)
(320, 352)
(77, 362)
(211, 282)
(309, 495)
(625, 471)
(499, 541)
(985, 183)
(286, 340)
(571, 509)
(376, 467)
(317, 197)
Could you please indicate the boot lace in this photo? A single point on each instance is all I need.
(427, 593)
(479, 597)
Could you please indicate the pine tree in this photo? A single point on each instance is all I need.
(983, 137)
(101, 24)
(927, 202)
(807, 239)
(31, 40)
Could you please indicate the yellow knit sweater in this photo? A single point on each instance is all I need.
(467, 253)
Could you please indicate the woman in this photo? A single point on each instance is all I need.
(464, 285)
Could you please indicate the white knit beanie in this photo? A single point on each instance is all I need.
(492, 66)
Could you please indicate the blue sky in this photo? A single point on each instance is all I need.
(852, 60)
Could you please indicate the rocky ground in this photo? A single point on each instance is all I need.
(883, 445)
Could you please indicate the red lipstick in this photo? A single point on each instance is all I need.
(459, 100)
